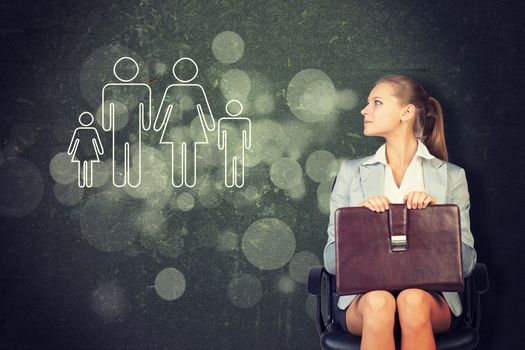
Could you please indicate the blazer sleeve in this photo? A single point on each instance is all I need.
(339, 198)
(460, 197)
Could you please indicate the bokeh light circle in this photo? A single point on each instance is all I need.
(324, 190)
(286, 173)
(311, 95)
(244, 290)
(63, 170)
(321, 166)
(300, 264)
(236, 85)
(227, 47)
(170, 284)
(109, 301)
(185, 201)
(286, 285)
(268, 244)
(68, 194)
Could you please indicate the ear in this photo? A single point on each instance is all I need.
(409, 112)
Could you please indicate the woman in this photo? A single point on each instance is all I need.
(412, 168)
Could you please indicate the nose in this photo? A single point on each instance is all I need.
(364, 111)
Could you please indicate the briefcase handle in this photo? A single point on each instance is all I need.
(397, 224)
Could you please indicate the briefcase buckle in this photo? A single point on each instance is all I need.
(398, 243)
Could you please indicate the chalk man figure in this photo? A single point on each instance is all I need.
(172, 111)
(87, 137)
(230, 128)
(139, 121)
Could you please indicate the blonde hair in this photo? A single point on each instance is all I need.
(429, 125)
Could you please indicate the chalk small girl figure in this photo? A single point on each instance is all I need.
(87, 137)
(230, 128)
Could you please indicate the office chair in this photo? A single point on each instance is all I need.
(321, 285)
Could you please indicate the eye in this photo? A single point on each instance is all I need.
(378, 102)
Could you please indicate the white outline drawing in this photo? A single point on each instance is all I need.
(222, 143)
(85, 167)
(166, 109)
(141, 120)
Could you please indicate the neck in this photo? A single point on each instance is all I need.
(400, 151)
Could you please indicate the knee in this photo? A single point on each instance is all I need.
(378, 309)
(413, 309)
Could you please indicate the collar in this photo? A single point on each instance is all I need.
(380, 155)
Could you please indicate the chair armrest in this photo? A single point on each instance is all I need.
(475, 285)
(314, 284)
(314, 280)
(481, 278)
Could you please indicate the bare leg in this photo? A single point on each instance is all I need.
(371, 316)
(421, 314)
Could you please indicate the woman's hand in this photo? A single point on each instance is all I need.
(418, 200)
(375, 203)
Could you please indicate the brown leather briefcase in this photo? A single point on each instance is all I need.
(397, 249)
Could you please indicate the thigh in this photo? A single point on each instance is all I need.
(410, 299)
(378, 299)
(440, 314)
(353, 318)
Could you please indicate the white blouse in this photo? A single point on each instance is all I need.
(413, 178)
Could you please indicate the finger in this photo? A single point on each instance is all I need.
(369, 206)
(415, 200)
(427, 201)
(409, 199)
(421, 199)
(375, 203)
(385, 202)
(434, 200)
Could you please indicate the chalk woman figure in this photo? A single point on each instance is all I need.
(411, 168)
(172, 112)
(86, 138)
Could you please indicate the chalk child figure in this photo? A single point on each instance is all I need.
(87, 137)
(180, 101)
(139, 120)
(230, 128)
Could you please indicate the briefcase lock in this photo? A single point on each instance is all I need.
(398, 243)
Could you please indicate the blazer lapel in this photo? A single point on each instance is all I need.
(434, 177)
(372, 179)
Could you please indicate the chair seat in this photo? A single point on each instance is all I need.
(461, 338)
(337, 339)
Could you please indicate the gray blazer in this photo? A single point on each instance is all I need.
(443, 180)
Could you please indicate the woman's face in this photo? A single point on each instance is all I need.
(382, 114)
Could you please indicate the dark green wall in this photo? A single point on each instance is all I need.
(59, 291)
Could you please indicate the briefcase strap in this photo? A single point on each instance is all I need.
(397, 223)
